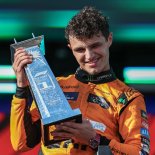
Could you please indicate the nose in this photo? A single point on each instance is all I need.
(88, 54)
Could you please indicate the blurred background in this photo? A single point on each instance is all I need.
(132, 54)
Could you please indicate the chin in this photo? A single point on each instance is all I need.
(92, 71)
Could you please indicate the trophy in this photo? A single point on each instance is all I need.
(46, 92)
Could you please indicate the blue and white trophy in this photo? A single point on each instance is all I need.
(49, 97)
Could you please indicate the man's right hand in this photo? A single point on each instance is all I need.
(21, 59)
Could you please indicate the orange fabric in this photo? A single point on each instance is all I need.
(18, 135)
(110, 121)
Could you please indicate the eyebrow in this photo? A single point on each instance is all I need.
(78, 48)
(96, 43)
(90, 46)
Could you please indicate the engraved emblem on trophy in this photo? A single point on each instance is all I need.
(49, 97)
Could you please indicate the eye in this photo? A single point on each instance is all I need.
(79, 50)
(96, 45)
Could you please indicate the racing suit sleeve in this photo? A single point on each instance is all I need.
(25, 126)
(133, 128)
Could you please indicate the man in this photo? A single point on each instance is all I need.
(114, 114)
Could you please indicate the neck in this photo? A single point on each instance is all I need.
(105, 76)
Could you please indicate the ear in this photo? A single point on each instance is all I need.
(69, 46)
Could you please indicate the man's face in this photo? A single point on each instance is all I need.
(92, 54)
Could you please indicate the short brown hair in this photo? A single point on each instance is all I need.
(87, 23)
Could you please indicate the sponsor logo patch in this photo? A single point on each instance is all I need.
(98, 125)
(145, 141)
(145, 124)
(122, 99)
(144, 132)
(71, 95)
(130, 92)
(146, 148)
(143, 114)
(99, 100)
(142, 152)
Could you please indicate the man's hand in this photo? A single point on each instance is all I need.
(21, 59)
(80, 132)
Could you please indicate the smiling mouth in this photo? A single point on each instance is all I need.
(93, 63)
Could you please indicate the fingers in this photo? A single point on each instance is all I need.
(79, 126)
(62, 134)
(73, 128)
(69, 129)
(21, 59)
(64, 131)
(81, 132)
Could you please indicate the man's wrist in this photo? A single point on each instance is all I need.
(95, 142)
(98, 140)
(22, 92)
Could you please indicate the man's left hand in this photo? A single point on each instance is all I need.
(79, 132)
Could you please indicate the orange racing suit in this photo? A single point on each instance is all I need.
(115, 111)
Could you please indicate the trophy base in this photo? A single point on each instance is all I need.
(49, 128)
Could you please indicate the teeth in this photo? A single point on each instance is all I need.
(93, 61)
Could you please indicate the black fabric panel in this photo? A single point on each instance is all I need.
(32, 129)
(121, 111)
(22, 92)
